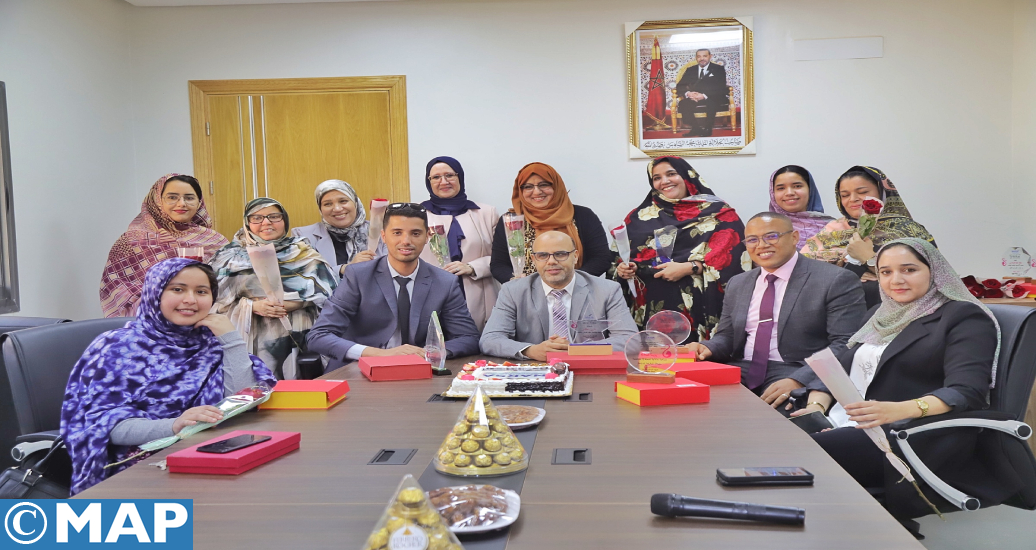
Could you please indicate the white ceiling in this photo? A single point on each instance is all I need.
(155, 3)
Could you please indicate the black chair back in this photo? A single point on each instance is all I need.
(1016, 369)
(8, 420)
(39, 361)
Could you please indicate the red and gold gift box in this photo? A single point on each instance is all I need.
(614, 363)
(646, 395)
(707, 372)
(306, 394)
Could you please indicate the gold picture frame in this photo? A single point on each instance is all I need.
(712, 110)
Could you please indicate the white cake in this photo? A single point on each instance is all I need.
(522, 379)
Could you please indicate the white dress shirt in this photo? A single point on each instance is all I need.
(396, 340)
(783, 274)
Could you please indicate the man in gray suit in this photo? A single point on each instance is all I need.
(383, 306)
(784, 310)
(532, 314)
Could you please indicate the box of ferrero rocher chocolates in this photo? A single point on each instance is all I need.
(410, 522)
(480, 443)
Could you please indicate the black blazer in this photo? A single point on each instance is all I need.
(714, 85)
(597, 257)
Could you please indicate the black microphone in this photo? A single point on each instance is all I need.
(668, 504)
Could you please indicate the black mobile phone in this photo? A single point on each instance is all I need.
(743, 477)
(813, 422)
(233, 444)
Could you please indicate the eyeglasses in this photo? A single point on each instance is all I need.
(770, 238)
(449, 177)
(405, 206)
(560, 255)
(258, 218)
(539, 186)
(172, 200)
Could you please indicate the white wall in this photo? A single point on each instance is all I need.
(500, 84)
(1023, 191)
(66, 68)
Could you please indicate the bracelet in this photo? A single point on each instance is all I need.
(923, 405)
(823, 409)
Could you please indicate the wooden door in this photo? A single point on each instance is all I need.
(280, 138)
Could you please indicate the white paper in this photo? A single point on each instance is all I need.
(268, 271)
(622, 244)
(831, 373)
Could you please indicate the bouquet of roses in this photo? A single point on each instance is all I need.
(992, 288)
(514, 230)
(437, 242)
(869, 219)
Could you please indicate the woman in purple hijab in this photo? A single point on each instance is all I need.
(162, 372)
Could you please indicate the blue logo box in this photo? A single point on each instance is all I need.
(110, 523)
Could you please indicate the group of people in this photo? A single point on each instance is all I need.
(912, 338)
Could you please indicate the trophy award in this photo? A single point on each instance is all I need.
(651, 356)
(676, 326)
(435, 347)
(587, 337)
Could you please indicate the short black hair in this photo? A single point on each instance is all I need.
(189, 180)
(916, 254)
(702, 50)
(774, 215)
(406, 210)
(207, 270)
(852, 173)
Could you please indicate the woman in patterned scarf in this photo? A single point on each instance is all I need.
(707, 251)
(307, 278)
(794, 194)
(341, 234)
(173, 215)
(160, 373)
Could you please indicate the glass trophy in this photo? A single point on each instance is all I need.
(673, 324)
(435, 347)
(665, 240)
(587, 337)
(650, 355)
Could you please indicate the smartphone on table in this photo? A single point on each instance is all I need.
(233, 443)
(747, 477)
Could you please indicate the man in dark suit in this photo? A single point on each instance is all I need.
(383, 307)
(702, 89)
(532, 314)
(784, 310)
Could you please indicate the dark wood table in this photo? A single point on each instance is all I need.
(326, 496)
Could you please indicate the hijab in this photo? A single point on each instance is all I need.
(453, 206)
(892, 317)
(557, 215)
(151, 369)
(813, 219)
(151, 237)
(354, 236)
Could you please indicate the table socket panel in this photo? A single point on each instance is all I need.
(392, 457)
(571, 457)
(585, 397)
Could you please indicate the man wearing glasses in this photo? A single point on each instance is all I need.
(383, 307)
(786, 309)
(532, 314)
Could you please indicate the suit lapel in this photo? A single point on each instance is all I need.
(580, 294)
(384, 279)
(539, 305)
(419, 297)
(910, 335)
(796, 283)
(739, 318)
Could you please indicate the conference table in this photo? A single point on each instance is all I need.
(325, 495)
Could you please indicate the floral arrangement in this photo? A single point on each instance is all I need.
(437, 242)
(993, 288)
(514, 230)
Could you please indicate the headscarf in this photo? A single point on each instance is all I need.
(151, 237)
(810, 221)
(892, 317)
(893, 223)
(151, 369)
(708, 230)
(559, 212)
(453, 206)
(354, 236)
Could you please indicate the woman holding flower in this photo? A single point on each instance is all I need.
(843, 243)
(707, 251)
(467, 235)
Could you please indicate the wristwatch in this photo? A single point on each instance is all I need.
(923, 405)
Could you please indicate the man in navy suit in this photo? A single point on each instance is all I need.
(383, 307)
(702, 89)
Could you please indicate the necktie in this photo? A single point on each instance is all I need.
(701, 72)
(763, 335)
(403, 310)
(559, 319)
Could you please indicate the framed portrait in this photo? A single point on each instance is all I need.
(9, 301)
(690, 87)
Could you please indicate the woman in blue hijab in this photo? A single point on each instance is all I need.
(794, 194)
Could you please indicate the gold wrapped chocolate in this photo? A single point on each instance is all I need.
(453, 442)
(481, 444)
(394, 523)
(480, 431)
(483, 460)
(411, 498)
(429, 519)
(446, 457)
(460, 428)
(469, 446)
(378, 539)
(492, 445)
(410, 521)
(502, 459)
(462, 460)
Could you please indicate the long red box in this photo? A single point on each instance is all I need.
(646, 395)
(707, 372)
(593, 364)
(396, 367)
(190, 461)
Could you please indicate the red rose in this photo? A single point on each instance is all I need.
(727, 215)
(646, 254)
(686, 210)
(1017, 291)
(992, 284)
(872, 206)
(993, 293)
(720, 245)
(969, 280)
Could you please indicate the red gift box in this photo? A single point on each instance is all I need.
(707, 372)
(190, 461)
(395, 367)
(645, 395)
(593, 364)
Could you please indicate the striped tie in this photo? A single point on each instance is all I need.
(559, 319)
